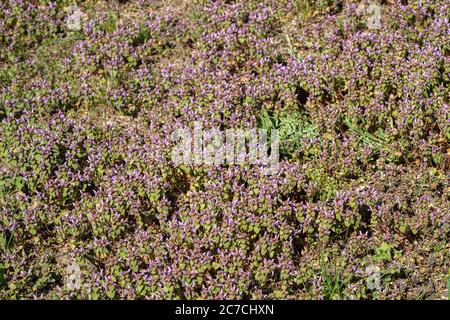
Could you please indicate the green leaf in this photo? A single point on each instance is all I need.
(111, 293)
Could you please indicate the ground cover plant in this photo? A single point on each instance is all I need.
(93, 207)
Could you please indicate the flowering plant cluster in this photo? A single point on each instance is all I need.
(93, 205)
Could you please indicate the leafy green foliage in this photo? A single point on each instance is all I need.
(293, 128)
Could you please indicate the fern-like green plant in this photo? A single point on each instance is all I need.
(111, 22)
(377, 141)
(293, 127)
